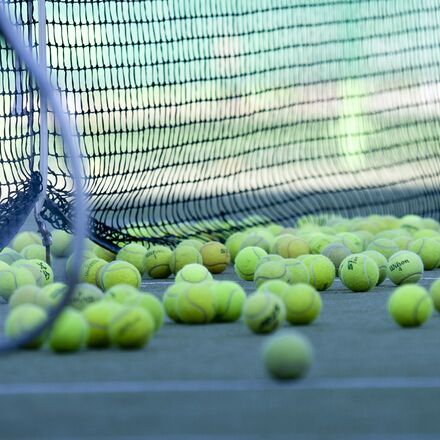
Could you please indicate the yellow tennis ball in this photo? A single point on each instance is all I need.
(403, 241)
(256, 240)
(182, 256)
(86, 294)
(157, 264)
(69, 332)
(11, 278)
(118, 272)
(319, 241)
(428, 250)
(131, 327)
(229, 298)
(196, 304)
(87, 255)
(215, 256)
(90, 269)
(233, 243)
(384, 246)
(263, 312)
(405, 267)
(23, 319)
(151, 304)
(193, 273)
(40, 270)
(9, 256)
(98, 316)
(271, 270)
(61, 243)
(246, 262)
(382, 264)
(28, 294)
(410, 305)
(359, 273)
(276, 287)
(435, 294)
(52, 294)
(351, 241)
(192, 242)
(365, 237)
(298, 271)
(289, 246)
(169, 301)
(269, 258)
(322, 271)
(134, 254)
(34, 251)
(24, 239)
(121, 293)
(287, 355)
(336, 253)
(104, 254)
(303, 304)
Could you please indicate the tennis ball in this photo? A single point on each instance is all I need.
(61, 243)
(428, 250)
(271, 270)
(9, 256)
(403, 241)
(381, 262)
(52, 294)
(269, 258)
(34, 251)
(169, 301)
(233, 243)
(263, 312)
(28, 294)
(303, 304)
(69, 332)
(11, 278)
(121, 293)
(298, 271)
(134, 254)
(229, 298)
(24, 239)
(430, 223)
(87, 255)
(405, 267)
(336, 253)
(215, 256)
(289, 246)
(118, 272)
(23, 319)
(40, 270)
(157, 263)
(192, 242)
(425, 233)
(276, 287)
(196, 304)
(98, 316)
(359, 273)
(131, 327)
(287, 355)
(365, 236)
(411, 222)
(182, 256)
(410, 305)
(256, 240)
(193, 273)
(322, 271)
(319, 241)
(246, 262)
(384, 246)
(85, 294)
(435, 294)
(274, 228)
(104, 254)
(151, 304)
(90, 269)
(351, 241)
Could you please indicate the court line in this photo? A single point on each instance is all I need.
(206, 386)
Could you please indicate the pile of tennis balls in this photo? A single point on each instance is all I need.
(289, 268)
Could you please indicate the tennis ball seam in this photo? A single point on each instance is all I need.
(416, 319)
(196, 306)
(258, 314)
(306, 309)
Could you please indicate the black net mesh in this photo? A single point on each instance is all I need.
(195, 114)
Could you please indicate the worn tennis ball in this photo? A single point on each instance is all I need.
(428, 250)
(134, 254)
(405, 267)
(215, 256)
(289, 246)
(121, 293)
(269, 257)
(131, 327)
(193, 273)
(382, 264)
(303, 304)
(157, 264)
(61, 243)
(287, 355)
(193, 242)
(98, 316)
(169, 301)
(24, 239)
(229, 297)
(196, 303)
(69, 332)
(298, 271)
(182, 256)
(11, 278)
(150, 303)
(384, 246)
(271, 270)
(28, 294)
(246, 262)
(104, 254)
(34, 251)
(85, 294)
(233, 243)
(263, 312)
(118, 272)
(336, 253)
(410, 305)
(52, 294)
(276, 287)
(435, 294)
(9, 256)
(359, 273)
(23, 319)
(322, 271)
(40, 270)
